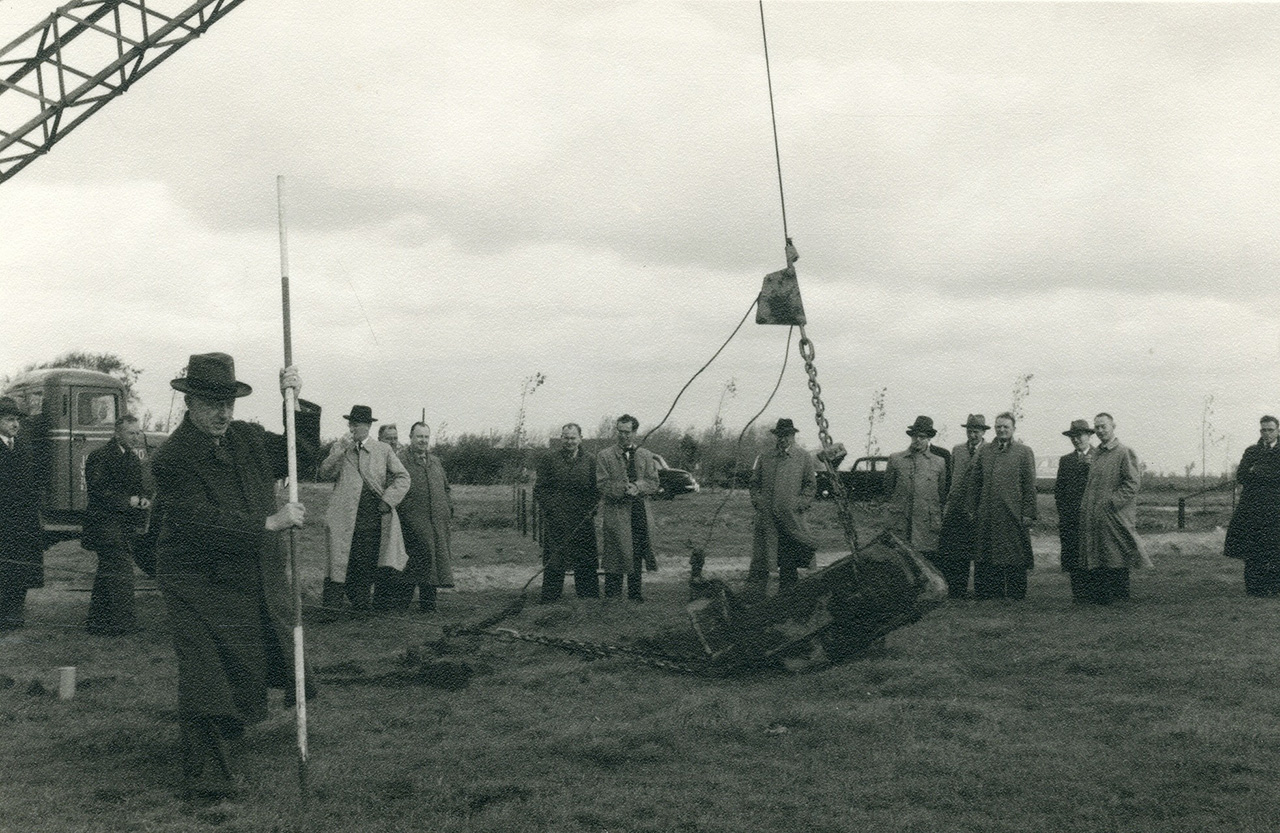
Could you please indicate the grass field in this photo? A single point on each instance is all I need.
(1159, 715)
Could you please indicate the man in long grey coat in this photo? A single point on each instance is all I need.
(221, 569)
(425, 514)
(363, 526)
(1002, 497)
(783, 484)
(957, 544)
(1109, 543)
(626, 476)
(916, 482)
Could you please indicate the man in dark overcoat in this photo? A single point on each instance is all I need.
(1254, 533)
(956, 544)
(21, 546)
(221, 568)
(567, 496)
(1002, 497)
(119, 498)
(1068, 491)
(425, 514)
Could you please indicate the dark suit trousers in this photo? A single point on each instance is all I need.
(362, 564)
(111, 602)
(206, 766)
(999, 581)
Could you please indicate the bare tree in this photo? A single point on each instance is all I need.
(874, 418)
(108, 363)
(1021, 390)
(527, 389)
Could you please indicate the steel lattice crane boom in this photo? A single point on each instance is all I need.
(83, 55)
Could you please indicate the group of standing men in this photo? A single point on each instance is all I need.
(976, 507)
(571, 486)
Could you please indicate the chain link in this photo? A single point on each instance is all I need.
(808, 352)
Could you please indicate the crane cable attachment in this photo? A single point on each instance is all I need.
(780, 303)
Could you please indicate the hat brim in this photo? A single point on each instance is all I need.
(239, 389)
(369, 420)
(982, 427)
(915, 432)
(1078, 432)
(780, 432)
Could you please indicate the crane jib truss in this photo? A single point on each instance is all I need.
(83, 55)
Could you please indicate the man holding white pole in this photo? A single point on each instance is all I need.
(220, 565)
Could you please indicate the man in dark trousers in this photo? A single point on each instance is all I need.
(1068, 491)
(567, 496)
(21, 546)
(222, 569)
(1002, 499)
(783, 484)
(1254, 533)
(119, 497)
(957, 545)
(626, 476)
(425, 514)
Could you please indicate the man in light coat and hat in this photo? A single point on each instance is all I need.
(1068, 491)
(626, 476)
(916, 482)
(1109, 543)
(221, 568)
(1002, 497)
(363, 526)
(21, 545)
(783, 484)
(957, 543)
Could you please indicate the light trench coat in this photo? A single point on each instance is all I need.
(388, 477)
(917, 485)
(611, 480)
(1109, 510)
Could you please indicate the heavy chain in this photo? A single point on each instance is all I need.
(808, 353)
(603, 649)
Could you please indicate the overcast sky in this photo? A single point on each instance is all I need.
(478, 192)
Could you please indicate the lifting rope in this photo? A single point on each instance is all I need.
(807, 350)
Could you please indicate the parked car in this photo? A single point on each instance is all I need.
(863, 479)
(672, 482)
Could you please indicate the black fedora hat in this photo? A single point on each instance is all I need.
(361, 414)
(784, 426)
(212, 375)
(922, 425)
(1078, 427)
(976, 421)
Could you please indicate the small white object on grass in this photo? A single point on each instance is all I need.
(66, 682)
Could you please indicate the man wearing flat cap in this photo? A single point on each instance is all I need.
(21, 546)
(783, 484)
(916, 482)
(957, 543)
(221, 567)
(364, 528)
(1068, 491)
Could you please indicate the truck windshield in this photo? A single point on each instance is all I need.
(95, 410)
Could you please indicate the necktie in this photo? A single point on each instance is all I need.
(630, 455)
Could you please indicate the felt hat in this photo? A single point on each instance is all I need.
(8, 407)
(784, 426)
(360, 414)
(922, 426)
(1078, 427)
(212, 375)
(976, 421)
